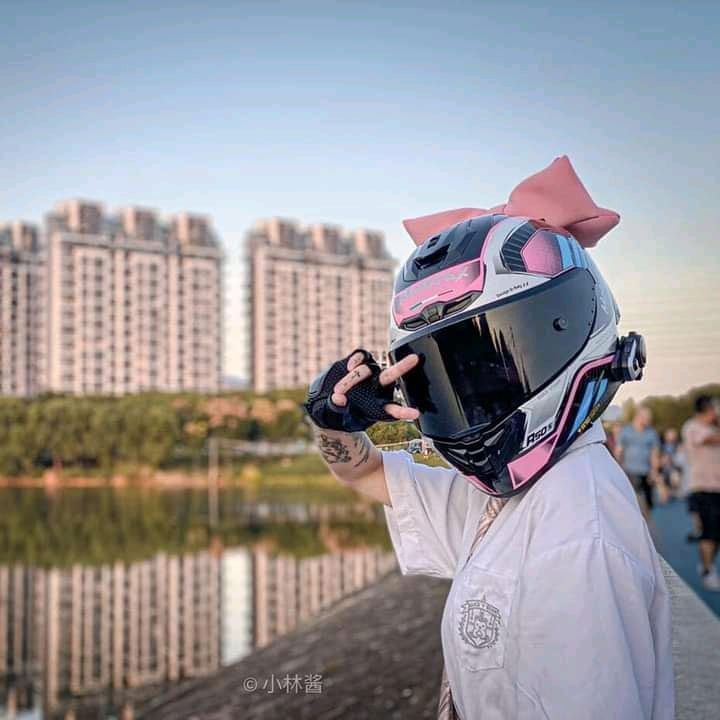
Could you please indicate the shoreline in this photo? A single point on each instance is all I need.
(248, 474)
(158, 481)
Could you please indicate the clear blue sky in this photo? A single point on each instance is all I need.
(360, 114)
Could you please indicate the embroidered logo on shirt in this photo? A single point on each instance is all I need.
(479, 623)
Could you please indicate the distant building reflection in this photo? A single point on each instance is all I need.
(289, 590)
(82, 630)
(77, 638)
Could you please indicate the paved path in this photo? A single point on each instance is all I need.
(673, 525)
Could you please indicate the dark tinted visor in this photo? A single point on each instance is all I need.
(477, 370)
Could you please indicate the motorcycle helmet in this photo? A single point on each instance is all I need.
(516, 331)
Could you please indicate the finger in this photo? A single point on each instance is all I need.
(391, 374)
(355, 360)
(400, 412)
(352, 379)
(338, 399)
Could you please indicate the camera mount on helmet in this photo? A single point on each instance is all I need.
(630, 358)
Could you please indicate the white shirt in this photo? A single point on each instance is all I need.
(562, 613)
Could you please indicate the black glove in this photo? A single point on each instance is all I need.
(366, 400)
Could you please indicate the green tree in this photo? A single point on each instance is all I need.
(148, 431)
(62, 427)
(16, 456)
(287, 425)
(389, 433)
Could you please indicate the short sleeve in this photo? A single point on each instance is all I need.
(694, 434)
(427, 517)
(589, 647)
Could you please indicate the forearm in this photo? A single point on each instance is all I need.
(354, 461)
(350, 456)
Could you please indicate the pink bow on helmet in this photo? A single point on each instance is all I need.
(555, 195)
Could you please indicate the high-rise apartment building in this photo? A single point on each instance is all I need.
(21, 310)
(315, 294)
(133, 303)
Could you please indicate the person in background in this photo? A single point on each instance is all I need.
(702, 445)
(684, 470)
(670, 469)
(638, 452)
(694, 535)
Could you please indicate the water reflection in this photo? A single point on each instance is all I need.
(93, 640)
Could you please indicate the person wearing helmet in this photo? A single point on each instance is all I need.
(504, 344)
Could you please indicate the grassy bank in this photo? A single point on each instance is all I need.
(304, 476)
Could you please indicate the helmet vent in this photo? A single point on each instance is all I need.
(511, 252)
(428, 259)
(459, 304)
(459, 244)
(414, 324)
(438, 311)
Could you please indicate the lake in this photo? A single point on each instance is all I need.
(111, 596)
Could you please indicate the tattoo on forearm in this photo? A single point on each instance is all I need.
(333, 450)
(363, 445)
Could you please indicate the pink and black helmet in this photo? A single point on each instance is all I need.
(517, 335)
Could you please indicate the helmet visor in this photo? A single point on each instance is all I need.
(475, 370)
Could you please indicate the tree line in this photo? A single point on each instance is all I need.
(671, 411)
(149, 430)
(161, 430)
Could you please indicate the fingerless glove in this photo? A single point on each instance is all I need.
(366, 400)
